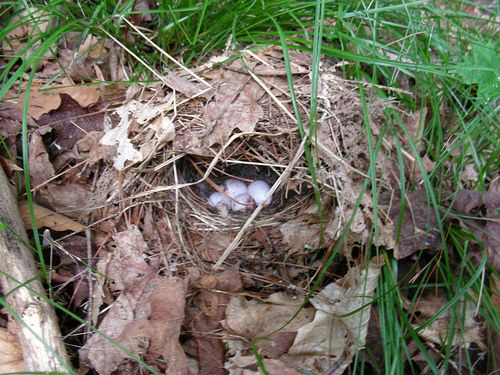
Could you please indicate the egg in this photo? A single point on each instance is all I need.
(258, 190)
(219, 201)
(233, 187)
(244, 202)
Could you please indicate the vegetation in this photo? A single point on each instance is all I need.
(439, 57)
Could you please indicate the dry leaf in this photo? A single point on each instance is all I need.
(90, 148)
(93, 48)
(30, 23)
(147, 315)
(48, 218)
(468, 331)
(41, 169)
(40, 102)
(126, 265)
(11, 356)
(469, 173)
(234, 106)
(334, 336)
(205, 320)
(271, 321)
(118, 137)
(415, 125)
(184, 85)
(69, 199)
(418, 229)
(101, 352)
(84, 95)
(71, 122)
(488, 232)
(9, 166)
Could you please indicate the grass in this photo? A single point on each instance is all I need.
(444, 55)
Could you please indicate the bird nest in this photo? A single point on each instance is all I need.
(237, 120)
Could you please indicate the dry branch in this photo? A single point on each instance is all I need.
(39, 333)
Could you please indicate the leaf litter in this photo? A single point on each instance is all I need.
(114, 161)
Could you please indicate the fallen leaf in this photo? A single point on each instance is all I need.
(90, 148)
(40, 167)
(167, 315)
(9, 166)
(236, 98)
(10, 111)
(39, 102)
(271, 323)
(340, 324)
(418, 229)
(471, 202)
(84, 95)
(118, 136)
(415, 125)
(69, 199)
(93, 48)
(48, 218)
(28, 24)
(468, 331)
(70, 122)
(205, 319)
(126, 266)
(184, 85)
(146, 316)
(101, 352)
(469, 174)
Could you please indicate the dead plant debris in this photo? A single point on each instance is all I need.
(137, 167)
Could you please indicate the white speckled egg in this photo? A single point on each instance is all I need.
(233, 187)
(258, 190)
(244, 202)
(219, 201)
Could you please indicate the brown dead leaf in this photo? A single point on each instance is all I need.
(236, 98)
(467, 332)
(11, 111)
(469, 174)
(69, 199)
(11, 355)
(29, 23)
(336, 334)
(40, 102)
(90, 148)
(48, 218)
(102, 354)
(167, 315)
(184, 85)
(9, 166)
(41, 169)
(468, 200)
(245, 365)
(84, 95)
(418, 229)
(126, 265)
(252, 319)
(147, 315)
(71, 122)
(72, 269)
(205, 321)
(471, 202)
(212, 245)
(413, 171)
(93, 48)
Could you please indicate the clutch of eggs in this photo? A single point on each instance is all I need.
(238, 197)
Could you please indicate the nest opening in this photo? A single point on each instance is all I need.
(192, 170)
